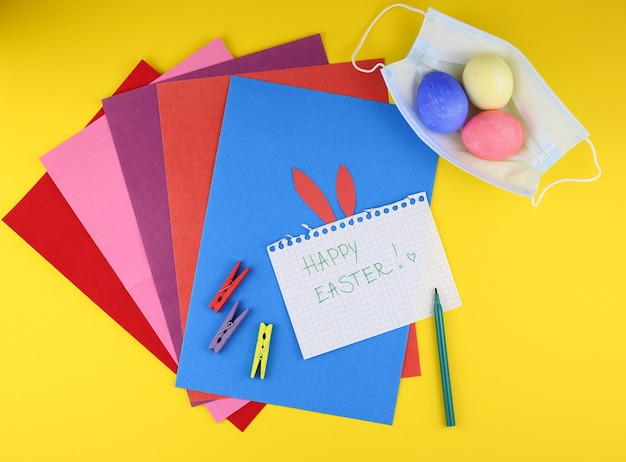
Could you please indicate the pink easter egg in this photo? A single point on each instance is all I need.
(493, 135)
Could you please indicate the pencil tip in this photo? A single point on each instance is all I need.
(435, 290)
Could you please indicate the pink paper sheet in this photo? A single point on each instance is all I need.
(221, 409)
(87, 172)
(66, 164)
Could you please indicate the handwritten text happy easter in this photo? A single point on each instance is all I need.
(346, 253)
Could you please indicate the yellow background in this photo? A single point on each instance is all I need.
(537, 351)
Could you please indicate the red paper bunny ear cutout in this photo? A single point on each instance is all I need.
(346, 192)
(312, 195)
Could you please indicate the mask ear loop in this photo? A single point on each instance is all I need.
(380, 15)
(573, 180)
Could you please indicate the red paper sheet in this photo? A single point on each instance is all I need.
(191, 116)
(45, 220)
(244, 416)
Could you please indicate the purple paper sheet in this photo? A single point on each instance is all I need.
(133, 118)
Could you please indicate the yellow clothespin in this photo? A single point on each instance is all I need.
(262, 349)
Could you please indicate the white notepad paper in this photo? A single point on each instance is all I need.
(364, 275)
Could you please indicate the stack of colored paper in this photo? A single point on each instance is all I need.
(149, 207)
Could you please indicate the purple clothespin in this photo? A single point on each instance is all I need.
(227, 328)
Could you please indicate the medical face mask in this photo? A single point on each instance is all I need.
(447, 45)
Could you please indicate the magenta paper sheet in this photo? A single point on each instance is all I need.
(134, 120)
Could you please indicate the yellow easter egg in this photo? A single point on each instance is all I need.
(488, 81)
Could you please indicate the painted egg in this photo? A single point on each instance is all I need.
(493, 135)
(488, 81)
(442, 104)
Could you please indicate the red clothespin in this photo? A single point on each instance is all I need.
(228, 288)
(227, 328)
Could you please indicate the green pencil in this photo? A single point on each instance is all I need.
(443, 363)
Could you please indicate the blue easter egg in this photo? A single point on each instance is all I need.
(442, 104)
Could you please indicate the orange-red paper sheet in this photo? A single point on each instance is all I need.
(191, 117)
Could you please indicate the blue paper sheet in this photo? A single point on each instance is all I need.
(267, 130)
